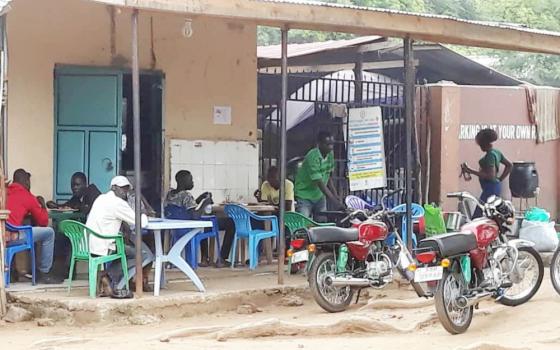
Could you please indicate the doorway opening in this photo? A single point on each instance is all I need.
(151, 115)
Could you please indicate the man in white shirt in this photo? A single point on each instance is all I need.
(107, 214)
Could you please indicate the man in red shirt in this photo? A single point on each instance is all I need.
(21, 204)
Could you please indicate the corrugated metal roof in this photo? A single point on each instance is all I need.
(518, 27)
(295, 50)
(4, 6)
(322, 16)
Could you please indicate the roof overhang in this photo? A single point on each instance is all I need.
(313, 15)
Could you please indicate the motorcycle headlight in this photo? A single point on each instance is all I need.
(505, 208)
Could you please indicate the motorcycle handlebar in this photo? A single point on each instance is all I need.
(466, 195)
(353, 215)
(389, 194)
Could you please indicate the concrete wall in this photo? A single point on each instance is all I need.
(216, 66)
(457, 106)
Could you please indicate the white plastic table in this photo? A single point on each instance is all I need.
(174, 255)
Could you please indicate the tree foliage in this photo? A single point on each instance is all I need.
(541, 14)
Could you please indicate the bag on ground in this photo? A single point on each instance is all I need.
(543, 234)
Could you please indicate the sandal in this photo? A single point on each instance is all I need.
(122, 294)
(204, 263)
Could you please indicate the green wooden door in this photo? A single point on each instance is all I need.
(87, 126)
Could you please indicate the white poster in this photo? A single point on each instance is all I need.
(222, 115)
(366, 151)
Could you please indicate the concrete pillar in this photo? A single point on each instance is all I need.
(445, 111)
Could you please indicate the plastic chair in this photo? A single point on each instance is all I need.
(17, 246)
(179, 213)
(242, 219)
(295, 222)
(79, 234)
(417, 213)
(355, 202)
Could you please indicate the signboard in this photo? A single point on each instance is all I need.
(505, 132)
(366, 150)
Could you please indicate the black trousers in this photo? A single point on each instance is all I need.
(224, 224)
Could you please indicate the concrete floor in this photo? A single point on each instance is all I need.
(226, 289)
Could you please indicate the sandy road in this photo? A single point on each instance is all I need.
(535, 325)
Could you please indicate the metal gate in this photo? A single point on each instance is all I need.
(328, 94)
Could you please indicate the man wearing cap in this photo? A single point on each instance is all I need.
(107, 214)
(23, 204)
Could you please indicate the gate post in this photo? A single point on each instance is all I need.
(283, 141)
(409, 77)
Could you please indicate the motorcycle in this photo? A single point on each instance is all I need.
(555, 270)
(350, 259)
(479, 263)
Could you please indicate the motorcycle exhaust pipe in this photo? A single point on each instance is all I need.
(463, 302)
(352, 282)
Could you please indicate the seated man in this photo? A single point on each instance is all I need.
(83, 195)
(107, 214)
(270, 190)
(21, 203)
(181, 197)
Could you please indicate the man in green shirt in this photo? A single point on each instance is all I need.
(313, 179)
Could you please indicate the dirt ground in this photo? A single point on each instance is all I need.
(534, 325)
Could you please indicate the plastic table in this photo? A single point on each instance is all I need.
(174, 254)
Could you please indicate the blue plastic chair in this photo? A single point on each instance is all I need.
(20, 245)
(242, 219)
(417, 213)
(179, 213)
(355, 202)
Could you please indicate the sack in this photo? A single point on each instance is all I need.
(542, 234)
(434, 220)
(537, 214)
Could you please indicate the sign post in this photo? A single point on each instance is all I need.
(366, 151)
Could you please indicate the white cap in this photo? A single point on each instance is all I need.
(120, 181)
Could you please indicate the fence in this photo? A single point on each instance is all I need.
(326, 99)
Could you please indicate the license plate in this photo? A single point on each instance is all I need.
(425, 274)
(300, 256)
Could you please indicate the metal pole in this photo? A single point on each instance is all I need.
(137, 165)
(283, 141)
(358, 80)
(4, 95)
(409, 77)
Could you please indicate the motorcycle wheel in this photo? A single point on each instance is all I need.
(555, 270)
(522, 291)
(330, 298)
(454, 319)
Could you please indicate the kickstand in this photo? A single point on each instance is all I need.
(358, 296)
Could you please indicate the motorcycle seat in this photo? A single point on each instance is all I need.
(450, 244)
(332, 234)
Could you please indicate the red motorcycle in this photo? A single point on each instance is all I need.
(347, 260)
(480, 263)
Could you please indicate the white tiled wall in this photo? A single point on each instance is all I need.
(225, 168)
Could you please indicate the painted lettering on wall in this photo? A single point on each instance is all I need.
(505, 132)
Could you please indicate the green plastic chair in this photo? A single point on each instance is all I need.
(295, 222)
(79, 234)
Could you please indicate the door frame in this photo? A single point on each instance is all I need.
(101, 70)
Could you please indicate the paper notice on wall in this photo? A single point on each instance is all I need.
(366, 150)
(222, 115)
